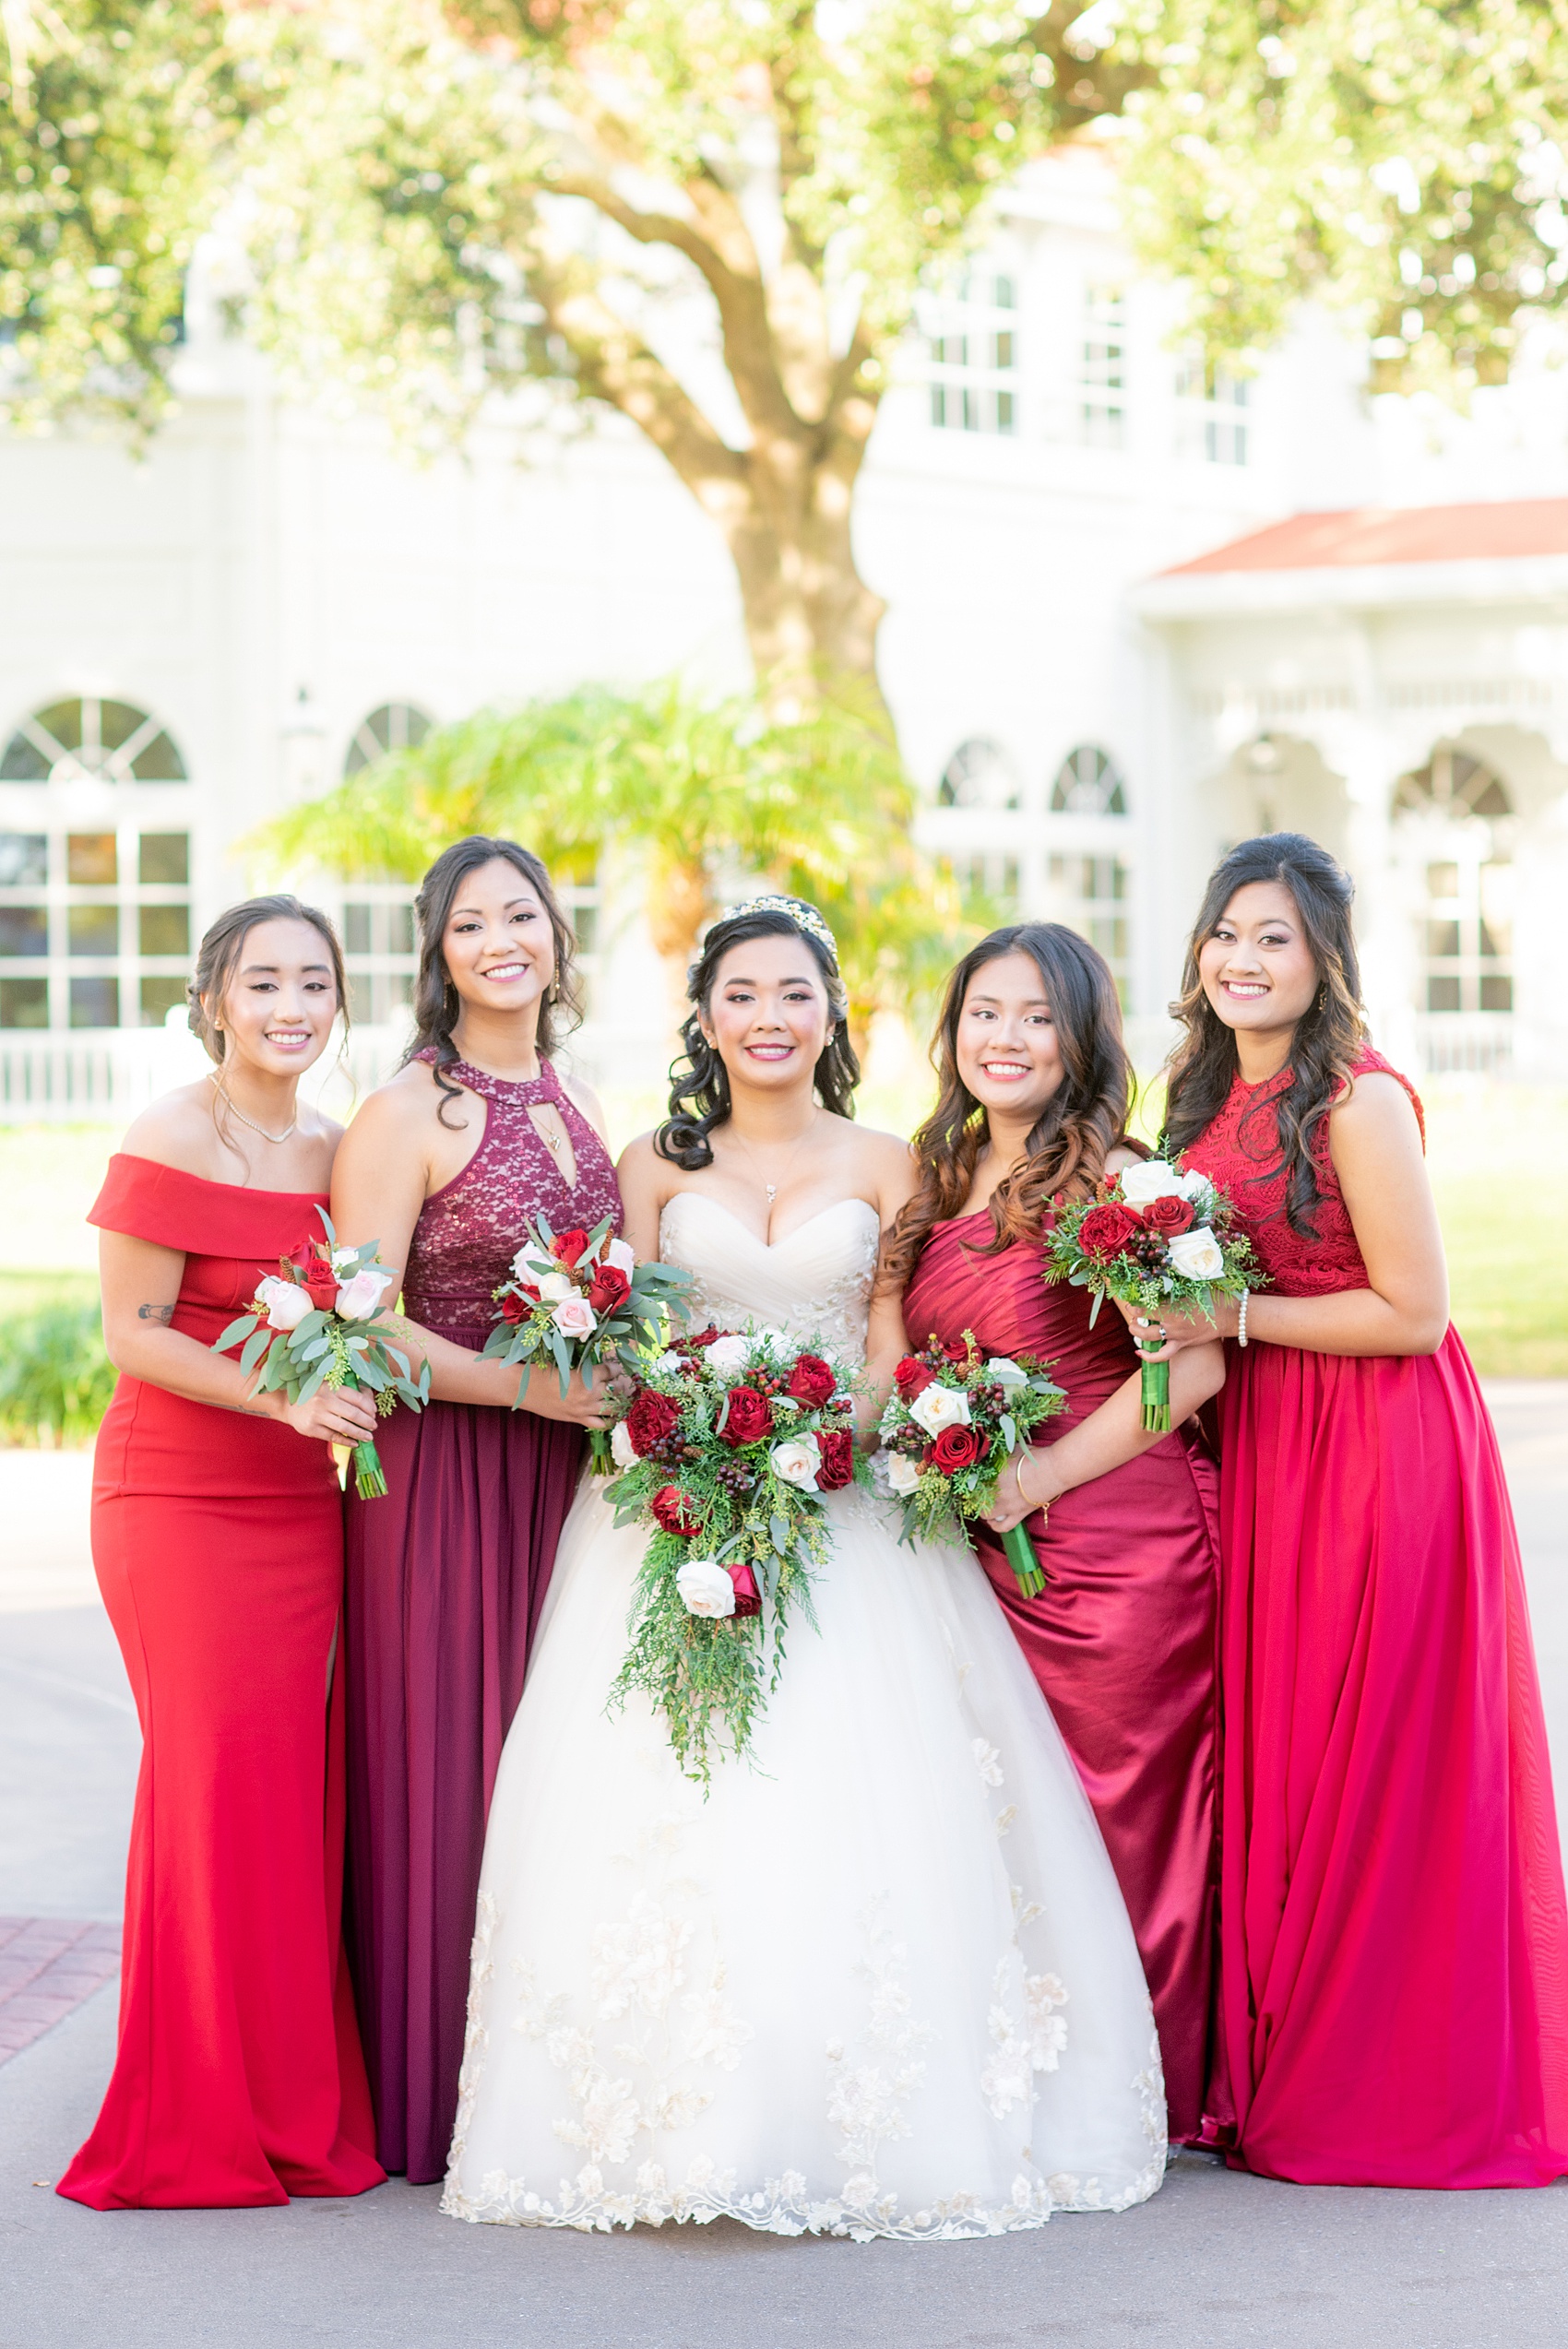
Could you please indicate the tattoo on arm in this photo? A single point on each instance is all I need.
(164, 1314)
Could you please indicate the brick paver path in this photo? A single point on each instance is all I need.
(48, 1965)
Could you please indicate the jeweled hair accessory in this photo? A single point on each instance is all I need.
(805, 918)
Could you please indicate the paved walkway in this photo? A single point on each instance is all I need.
(1216, 2260)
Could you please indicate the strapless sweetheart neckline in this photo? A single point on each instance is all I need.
(770, 1247)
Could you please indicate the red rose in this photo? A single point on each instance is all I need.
(748, 1598)
(515, 1308)
(695, 1344)
(748, 1418)
(322, 1283)
(912, 1377)
(609, 1288)
(811, 1380)
(1168, 1215)
(836, 1447)
(567, 1247)
(652, 1418)
(1106, 1230)
(956, 1349)
(955, 1448)
(669, 1506)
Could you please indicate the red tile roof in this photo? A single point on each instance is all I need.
(1395, 534)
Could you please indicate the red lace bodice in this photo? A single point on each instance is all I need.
(468, 1232)
(1240, 1151)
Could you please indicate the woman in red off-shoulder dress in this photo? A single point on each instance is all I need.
(1394, 1934)
(1122, 1640)
(216, 1534)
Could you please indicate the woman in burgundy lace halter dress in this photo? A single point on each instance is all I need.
(443, 1165)
(1121, 1639)
(1395, 1950)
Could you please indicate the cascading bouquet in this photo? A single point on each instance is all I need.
(726, 1450)
(578, 1298)
(1157, 1238)
(952, 1422)
(314, 1325)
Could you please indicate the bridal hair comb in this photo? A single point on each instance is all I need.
(805, 918)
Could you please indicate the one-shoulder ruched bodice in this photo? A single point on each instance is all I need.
(815, 1282)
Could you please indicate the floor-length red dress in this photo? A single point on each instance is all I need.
(1394, 1929)
(1121, 1639)
(218, 1539)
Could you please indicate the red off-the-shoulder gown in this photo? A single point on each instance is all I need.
(1394, 1929)
(1122, 1640)
(218, 1539)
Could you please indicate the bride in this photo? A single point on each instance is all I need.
(881, 1983)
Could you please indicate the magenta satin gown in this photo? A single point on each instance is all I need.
(1121, 1639)
(1394, 1935)
(446, 1574)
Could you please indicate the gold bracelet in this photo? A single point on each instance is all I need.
(1043, 1507)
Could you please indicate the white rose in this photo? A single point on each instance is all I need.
(669, 1366)
(621, 1449)
(796, 1462)
(1001, 1371)
(358, 1298)
(903, 1474)
(728, 1355)
(1198, 1255)
(530, 1266)
(938, 1406)
(285, 1301)
(574, 1317)
(1195, 1186)
(1151, 1179)
(773, 1341)
(621, 1254)
(555, 1287)
(706, 1588)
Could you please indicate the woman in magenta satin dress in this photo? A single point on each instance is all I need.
(445, 1165)
(1035, 1090)
(1395, 1932)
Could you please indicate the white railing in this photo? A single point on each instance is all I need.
(103, 1076)
(1465, 1043)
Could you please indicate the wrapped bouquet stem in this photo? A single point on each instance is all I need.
(954, 1419)
(1158, 1239)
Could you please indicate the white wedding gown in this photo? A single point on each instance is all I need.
(881, 1983)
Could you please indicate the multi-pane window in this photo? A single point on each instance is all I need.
(1466, 920)
(1102, 370)
(95, 919)
(1086, 783)
(978, 775)
(395, 726)
(378, 946)
(973, 358)
(1213, 411)
(1090, 894)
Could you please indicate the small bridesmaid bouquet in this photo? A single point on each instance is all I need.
(314, 1325)
(1157, 1238)
(577, 1298)
(952, 1420)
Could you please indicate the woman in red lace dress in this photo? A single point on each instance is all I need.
(1395, 1937)
(217, 1538)
(473, 1139)
(1035, 1087)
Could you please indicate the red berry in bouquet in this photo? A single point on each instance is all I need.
(652, 1418)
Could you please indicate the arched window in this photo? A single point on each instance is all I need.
(395, 726)
(1448, 811)
(978, 775)
(108, 741)
(1087, 784)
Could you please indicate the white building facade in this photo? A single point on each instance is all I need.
(1110, 651)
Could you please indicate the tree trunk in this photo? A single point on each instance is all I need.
(811, 619)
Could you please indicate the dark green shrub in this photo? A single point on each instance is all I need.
(56, 1377)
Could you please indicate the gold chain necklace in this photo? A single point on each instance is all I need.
(230, 1102)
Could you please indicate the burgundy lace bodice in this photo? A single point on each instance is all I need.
(1240, 1151)
(468, 1232)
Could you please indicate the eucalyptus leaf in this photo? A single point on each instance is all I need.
(235, 1331)
(256, 1346)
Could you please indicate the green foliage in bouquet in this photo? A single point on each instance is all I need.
(726, 1451)
(954, 1419)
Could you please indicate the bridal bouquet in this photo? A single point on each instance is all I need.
(1155, 1238)
(577, 1298)
(314, 1325)
(725, 1448)
(952, 1421)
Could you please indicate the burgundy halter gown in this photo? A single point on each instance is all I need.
(446, 1575)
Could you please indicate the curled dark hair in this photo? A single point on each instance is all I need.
(699, 1082)
(1084, 1121)
(437, 1001)
(218, 958)
(1327, 1039)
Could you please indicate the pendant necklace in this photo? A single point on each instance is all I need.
(772, 1188)
(229, 1102)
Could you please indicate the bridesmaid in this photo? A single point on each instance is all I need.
(1394, 1934)
(473, 1137)
(217, 1538)
(1034, 1101)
